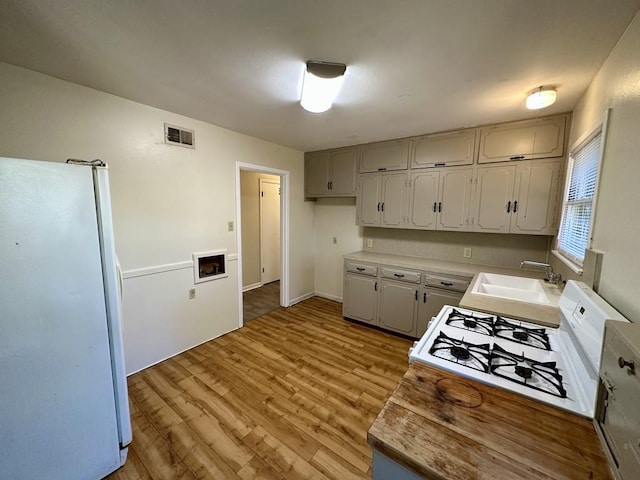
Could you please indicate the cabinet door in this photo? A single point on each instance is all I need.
(423, 198)
(444, 149)
(360, 294)
(368, 201)
(316, 173)
(398, 303)
(454, 199)
(536, 194)
(540, 138)
(493, 199)
(343, 172)
(385, 156)
(430, 303)
(394, 200)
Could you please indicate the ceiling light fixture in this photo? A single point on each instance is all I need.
(321, 84)
(541, 97)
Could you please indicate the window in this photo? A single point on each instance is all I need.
(574, 236)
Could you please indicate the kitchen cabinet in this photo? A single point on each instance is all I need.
(440, 200)
(360, 297)
(529, 139)
(385, 156)
(401, 300)
(382, 200)
(331, 173)
(444, 149)
(518, 198)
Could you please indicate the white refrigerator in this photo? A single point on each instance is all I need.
(64, 412)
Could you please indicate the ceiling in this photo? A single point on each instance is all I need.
(413, 66)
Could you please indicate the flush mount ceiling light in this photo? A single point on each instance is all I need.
(321, 84)
(541, 97)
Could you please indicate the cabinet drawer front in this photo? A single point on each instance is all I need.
(402, 275)
(362, 268)
(445, 281)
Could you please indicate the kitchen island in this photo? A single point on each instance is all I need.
(438, 425)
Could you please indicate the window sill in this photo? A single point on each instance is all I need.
(573, 266)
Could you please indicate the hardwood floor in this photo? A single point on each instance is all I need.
(260, 301)
(289, 396)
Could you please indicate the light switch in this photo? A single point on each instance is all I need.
(192, 293)
(230, 226)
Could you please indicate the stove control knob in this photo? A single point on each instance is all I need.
(624, 363)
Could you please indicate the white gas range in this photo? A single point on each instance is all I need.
(555, 366)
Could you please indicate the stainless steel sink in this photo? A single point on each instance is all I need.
(509, 287)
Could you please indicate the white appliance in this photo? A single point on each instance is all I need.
(555, 366)
(64, 410)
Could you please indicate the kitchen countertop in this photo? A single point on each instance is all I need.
(542, 314)
(442, 426)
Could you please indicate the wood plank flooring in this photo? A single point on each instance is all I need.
(289, 396)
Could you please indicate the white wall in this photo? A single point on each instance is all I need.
(334, 217)
(617, 225)
(168, 201)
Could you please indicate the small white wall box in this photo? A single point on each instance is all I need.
(209, 266)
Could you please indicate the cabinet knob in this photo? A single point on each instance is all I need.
(624, 363)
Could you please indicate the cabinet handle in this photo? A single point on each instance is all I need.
(517, 157)
(515, 206)
(447, 284)
(509, 206)
(424, 297)
(360, 269)
(435, 206)
(375, 286)
(416, 295)
(382, 207)
(378, 206)
(439, 207)
(440, 164)
(399, 275)
(385, 168)
(624, 363)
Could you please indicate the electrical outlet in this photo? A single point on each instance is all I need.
(192, 293)
(467, 252)
(369, 243)
(230, 226)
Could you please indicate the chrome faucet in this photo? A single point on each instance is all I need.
(549, 275)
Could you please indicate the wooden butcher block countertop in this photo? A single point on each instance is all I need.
(442, 426)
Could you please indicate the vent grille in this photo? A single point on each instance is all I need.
(179, 136)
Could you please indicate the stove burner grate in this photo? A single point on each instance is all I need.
(541, 376)
(473, 323)
(463, 353)
(516, 332)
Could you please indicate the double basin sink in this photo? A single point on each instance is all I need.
(518, 289)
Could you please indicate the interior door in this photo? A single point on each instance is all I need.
(269, 230)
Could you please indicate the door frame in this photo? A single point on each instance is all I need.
(284, 231)
(261, 182)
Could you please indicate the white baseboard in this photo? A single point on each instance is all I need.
(328, 296)
(301, 298)
(251, 287)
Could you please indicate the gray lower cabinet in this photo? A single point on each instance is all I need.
(398, 306)
(360, 297)
(430, 303)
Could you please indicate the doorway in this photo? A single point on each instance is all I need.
(262, 239)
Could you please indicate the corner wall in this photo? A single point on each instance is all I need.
(616, 228)
(167, 201)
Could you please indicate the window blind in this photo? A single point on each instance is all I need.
(575, 228)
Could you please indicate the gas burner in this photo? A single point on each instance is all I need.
(534, 337)
(541, 376)
(463, 353)
(472, 323)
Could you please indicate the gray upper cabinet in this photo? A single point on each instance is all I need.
(529, 139)
(444, 149)
(382, 200)
(331, 173)
(385, 156)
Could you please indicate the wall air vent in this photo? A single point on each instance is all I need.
(179, 136)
